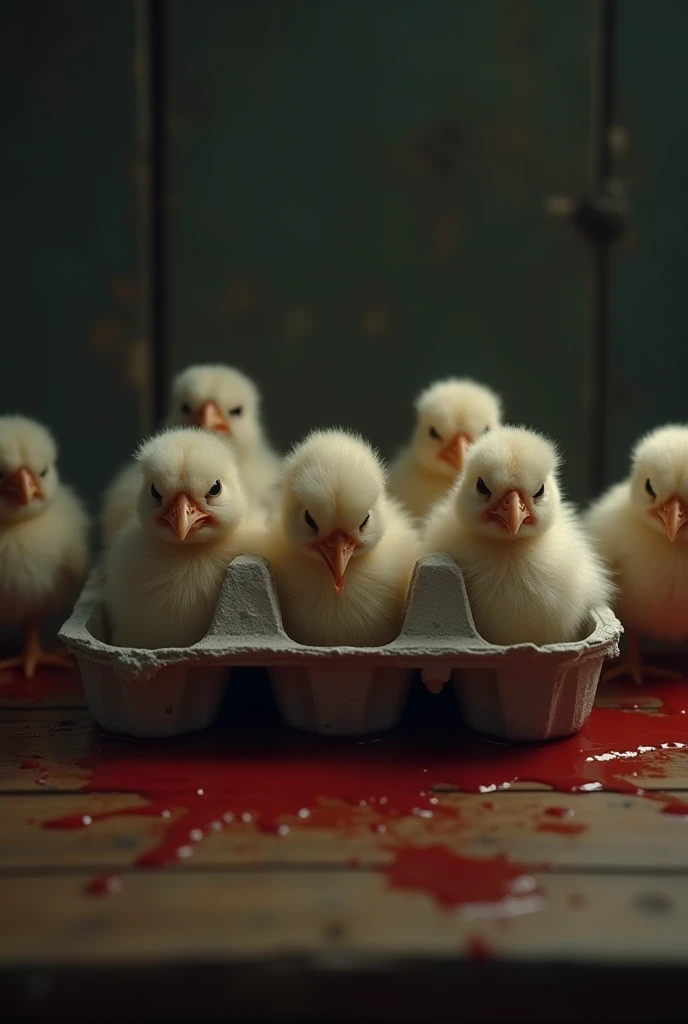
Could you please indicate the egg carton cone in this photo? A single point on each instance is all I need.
(522, 692)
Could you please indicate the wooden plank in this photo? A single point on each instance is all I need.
(615, 833)
(214, 916)
(381, 198)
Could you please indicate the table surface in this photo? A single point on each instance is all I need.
(250, 872)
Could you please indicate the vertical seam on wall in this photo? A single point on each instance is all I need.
(604, 95)
(158, 202)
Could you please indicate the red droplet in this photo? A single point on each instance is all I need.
(562, 828)
(577, 900)
(559, 812)
(104, 885)
(478, 948)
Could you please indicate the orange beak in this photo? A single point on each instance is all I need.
(512, 511)
(673, 515)
(22, 487)
(184, 516)
(335, 551)
(454, 451)
(210, 418)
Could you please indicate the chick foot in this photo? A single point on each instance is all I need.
(33, 656)
(632, 664)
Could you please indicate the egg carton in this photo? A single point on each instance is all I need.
(521, 692)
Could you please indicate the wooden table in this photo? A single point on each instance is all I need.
(339, 912)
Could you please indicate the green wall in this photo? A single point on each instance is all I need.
(359, 202)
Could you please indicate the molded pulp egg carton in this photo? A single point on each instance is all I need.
(518, 693)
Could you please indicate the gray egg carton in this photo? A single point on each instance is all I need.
(522, 692)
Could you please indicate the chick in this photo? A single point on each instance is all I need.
(43, 538)
(640, 527)
(530, 571)
(450, 415)
(164, 568)
(342, 551)
(216, 398)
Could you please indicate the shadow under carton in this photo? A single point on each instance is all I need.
(521, 692)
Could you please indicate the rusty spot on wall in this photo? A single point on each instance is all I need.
(299, 323)
(375, 321)
(444, 236)
(438, 149)
(240, 298)
(125, 289)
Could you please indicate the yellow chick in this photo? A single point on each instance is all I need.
(531, 573)
(450, 415)
(164, 569)
(342, 552)
(43, 538)
(640, 527)
(217, 398)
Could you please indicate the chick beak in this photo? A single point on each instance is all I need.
(454, 451)
(22, 487)
(512, 510)
(673, 515)
(336, 550)
(210, 418)
(184, 516)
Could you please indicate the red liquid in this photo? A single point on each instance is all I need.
(458, 881)
(562, 828)
(271, 777)
(104, 885)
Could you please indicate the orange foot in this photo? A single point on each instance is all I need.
(632, 664)
(33, 656)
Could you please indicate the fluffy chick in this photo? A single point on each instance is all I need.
(450, 415)
(342, 551)
(530, 571)
(217, 398)
(164, 569)
(43, 538)
(640, 527)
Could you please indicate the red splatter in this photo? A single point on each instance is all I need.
(559, 812)
(104, 885)
(562, 828)
(457, 880)
(31, 763)
(577, 900)
(198, 785)
(478, 949)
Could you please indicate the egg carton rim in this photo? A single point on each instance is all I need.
(442, 641)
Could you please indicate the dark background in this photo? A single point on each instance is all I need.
(346, 199)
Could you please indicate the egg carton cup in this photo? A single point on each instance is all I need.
(522, 692)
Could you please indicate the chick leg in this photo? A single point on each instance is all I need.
(631, 664)
(33, 656)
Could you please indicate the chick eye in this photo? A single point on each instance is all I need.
(538, 494)
(365, 522)
(482, 487)
(487, 428)
(433, 433)
(45, 471)
(648, 488)
(214, 490)
(236, 411)
(155, 493)
(310, 520)
(186, 408)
